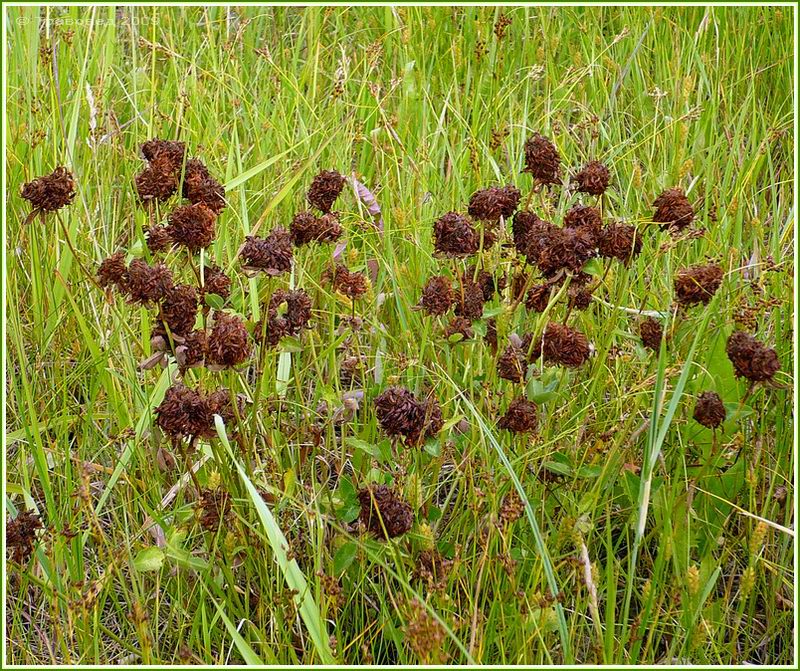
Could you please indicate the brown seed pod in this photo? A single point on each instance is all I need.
(199, 187)
(437, 296)
(147, 284)
(750, 358)
(298, 308)
(461, 326)
(585, 218)
(216, 282)
(184, 412)
(214, 507)
(400, 413)
(112, 271)
(306, 228)
(542, 159)
(673, 209)
(325, 189)
(493, 203)
(272, 255)
(562, 345)
(179, 308)
(352, 285)
(512, 364)
(229, 343)
(697, 284)
(21, 535)
(158, 239)
(651, 332)
(512, 507)
(593, 178)
(157, 181)
(432, 567)
(469, 299)
(383, 513)
(192, 226)
(566, 249)
(709, 410)
(171, 151)
(538, 297)
(51, 192)
(455, 236)
(520, 417)
(619, 241)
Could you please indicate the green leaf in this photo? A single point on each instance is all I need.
(344, 557)
(149, 559)
(291, 344)
(433, 447)
(540, 393)
(215, 301)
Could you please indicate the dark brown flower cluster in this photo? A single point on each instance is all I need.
(21, 535)
(188, 413)
(159, 179)
(651, 332)
(158, 239)
(538, 297)
(179, 308)
(352, 285)
(437, 296)
(751, 359)
(214, 508)
(455, 236)
(709, 410)
(401, 413)
(200, 188)
(383, 513)
(593, 178)
(561, 249)
(542, 159)
(229, 343)
(493, 203)
(697, 284)
(271, 255)
(585, 218)
(192, 226)
(307, 227)
(51, 192)
(459, 326)
(520, 417)
(673, 209)
(619, 241)
(470, 299)
(288, 313)
(563, 346)
(145, 284)
(512, 364)
(325, 189)
(216, 282)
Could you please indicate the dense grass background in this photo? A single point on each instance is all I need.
(424, 106)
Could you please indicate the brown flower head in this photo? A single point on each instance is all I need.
(184, 412)
(214, 507)
(192, 226)
(538, 297)
(157, 181)
(512, 507)
(147, 284)
(493, 203)
(522, 225)
(520, 417)
(651, 332)
(673, 209)
(325, 189)
(432, 567)
(487, 282)
(750, 358)
(51, 192)
(297, 308)
(400, 413)
(542, 159)
(158, 239)
(512, 364)
(21, 535)
(469, 299)
(179, 308)
(383, 513)
(437, 296)
(112, 271)
(221, 402)
(619, 241)
(352, 285)
(459, 326)
(579, 297)
(585, 218)
(216, 282)
(306, 227)
(455, 236)
(171, 151)
(193, 350)
(199, 187)
(593, 178)
(229, 343)
(272, 255)
(709, 410)
(562, 345)
(565, 249)
(697, 284)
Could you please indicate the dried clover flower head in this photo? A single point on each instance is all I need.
(383, 513)
(146, 284)
(325, 189)
(192, 226)
(542, 159)
(619, 241)
(229, 343)
(157, 181)
(751, 359)
(520, 416)
(199, 187)
(673, 209)
(493, 203)
(697, 284)
(562, 345)
(455, 236)
(113, 271)
(306, 228)
(401, 413)
(709, 410)
(651, 332)
(593, 178)
(179, 308)
(216, 282)
(352, 285)
(437, 296)
(21, 535)
(171, 151)
(271, 255)
(51, 192)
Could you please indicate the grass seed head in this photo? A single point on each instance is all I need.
(750, 358)
(51, 192)
(709, 410)
(325, 189)
(542, 159)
